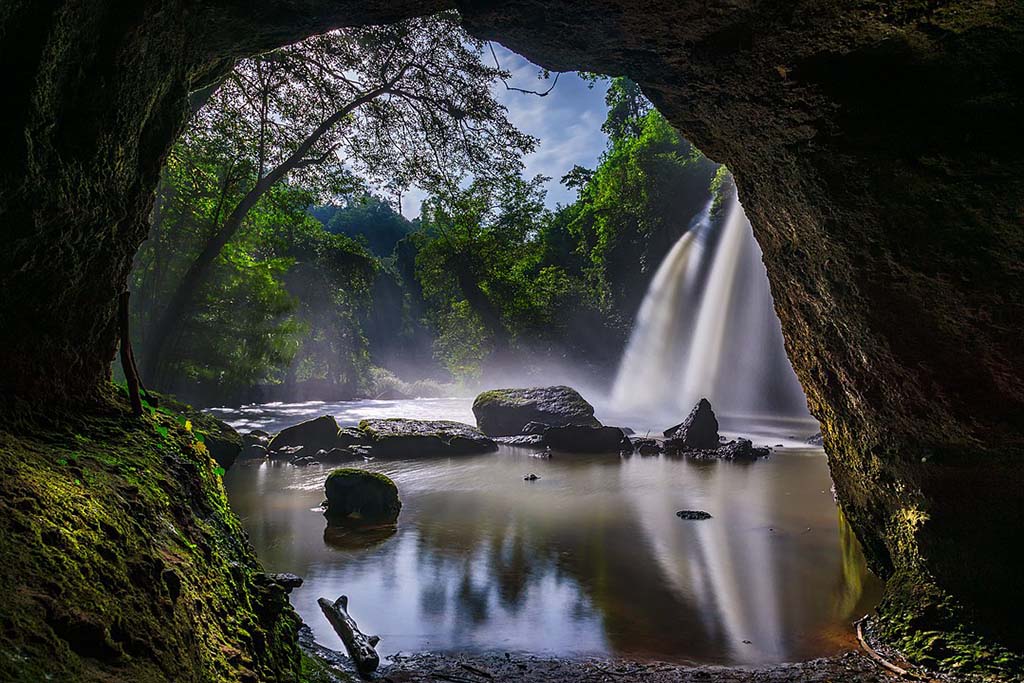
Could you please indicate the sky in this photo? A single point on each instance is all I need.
(567, 122)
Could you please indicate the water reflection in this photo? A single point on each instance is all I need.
(590, 559)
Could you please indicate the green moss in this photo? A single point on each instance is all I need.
(361, 494)
(121, 561)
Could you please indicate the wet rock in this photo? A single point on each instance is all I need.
(693, 514)
(817, 440)
(350, 436)
(285, 453)
(698, 431)
(286, 580)
(531, 477)
(257, 437)
(336, 455)
(534, 428)
(739, 449)
(522, 440)
(401, 438)
(504, 412)
(647, 446)
(585, 439)
(310, 436)
(305, 461)
(361, 495)
(253, 451)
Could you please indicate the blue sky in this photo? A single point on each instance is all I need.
(567, 122)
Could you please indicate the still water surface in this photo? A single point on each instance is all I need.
(589, 560)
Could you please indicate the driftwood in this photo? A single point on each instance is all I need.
(359, 646)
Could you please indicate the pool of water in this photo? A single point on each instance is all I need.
(590, 559)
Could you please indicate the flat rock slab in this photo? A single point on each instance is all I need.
(740, 449)
(504, 412)
(401, 438)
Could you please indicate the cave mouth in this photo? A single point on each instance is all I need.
(888, 217)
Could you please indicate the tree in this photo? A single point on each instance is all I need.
(478, 243)
(400, 104)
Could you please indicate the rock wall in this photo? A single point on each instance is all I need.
(877, 151)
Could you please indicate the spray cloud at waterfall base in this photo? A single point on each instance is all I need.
(707, 328)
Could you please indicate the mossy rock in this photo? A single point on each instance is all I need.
(358, 494)
(504, 412)
(401, 438)
(120, 559)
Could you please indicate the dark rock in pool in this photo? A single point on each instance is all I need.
(310, 436)
(522, 440)
(350, 436)
(253, 451)
(647, 446)
(355, 494)
(336, 455)
(305, 461)
(698, 431)
(256, 437)
(286, 580)
(693, 514)
(286, 453)
(504, 412)
(584, 439)
(740, 449)
(817, 440)
(531, 477)
(401, 438)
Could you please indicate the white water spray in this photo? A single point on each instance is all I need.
(707, 327)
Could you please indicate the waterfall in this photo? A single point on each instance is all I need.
(707, 327)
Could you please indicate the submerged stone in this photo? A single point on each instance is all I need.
(359, 494)
(402, 438)
(698, 431)
(504, 412)
(693, 514)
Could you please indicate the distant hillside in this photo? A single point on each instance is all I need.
(369, 218)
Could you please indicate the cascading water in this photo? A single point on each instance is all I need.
(707, 327)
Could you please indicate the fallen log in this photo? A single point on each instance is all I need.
(360, 646)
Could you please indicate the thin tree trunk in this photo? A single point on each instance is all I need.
(185, 294)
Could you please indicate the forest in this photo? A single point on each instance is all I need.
(277, 266)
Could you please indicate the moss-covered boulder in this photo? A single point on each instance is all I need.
(358, 494)
(401, 438)
(504, 412)
(120, 559)
(306, 438)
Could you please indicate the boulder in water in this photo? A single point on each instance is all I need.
(698, 431)
(522, 440)
(647, 446)
(504, 412)
(740, 449)
(401, 438)
(362, 495)
(693, 514)
(310, 436)
(586, 439)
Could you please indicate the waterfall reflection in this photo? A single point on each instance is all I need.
(590, 559)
